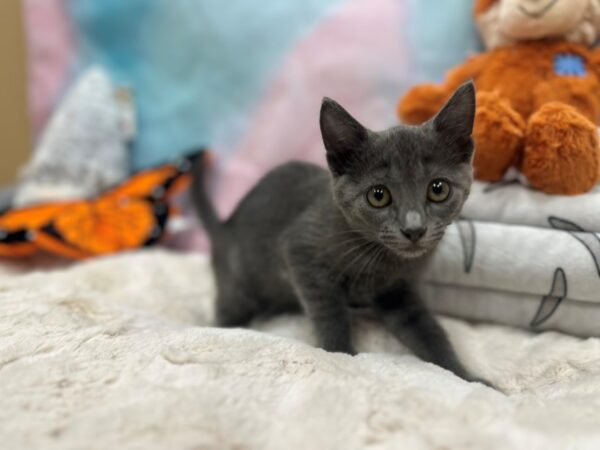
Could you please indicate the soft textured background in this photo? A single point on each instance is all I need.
(14, 125)
(204, 71)
(120, 353)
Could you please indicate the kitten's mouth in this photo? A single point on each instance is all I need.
(407, 251)
(413, 251)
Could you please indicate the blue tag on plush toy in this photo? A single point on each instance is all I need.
(568, 64)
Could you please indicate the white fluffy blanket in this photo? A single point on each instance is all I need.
(118, 353)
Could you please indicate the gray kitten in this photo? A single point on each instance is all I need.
(356, 237)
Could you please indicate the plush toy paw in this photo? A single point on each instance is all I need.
(580, 92)
(562, 154)
(421, 103)
(499, 137)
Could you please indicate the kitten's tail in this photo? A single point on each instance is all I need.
(202, 203)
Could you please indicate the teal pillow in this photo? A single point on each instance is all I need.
(197, 67)
(441, 35)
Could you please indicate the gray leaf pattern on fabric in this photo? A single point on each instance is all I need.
(468, 238)
(591, 241)
(551, 302)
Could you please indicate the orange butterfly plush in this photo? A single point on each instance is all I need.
(131, 215)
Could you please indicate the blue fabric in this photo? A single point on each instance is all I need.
(442, 33)
(196, 67)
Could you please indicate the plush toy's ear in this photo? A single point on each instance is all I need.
(481, 6)
(343, 136)
(455, 119)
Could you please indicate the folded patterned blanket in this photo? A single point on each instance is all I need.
(514, 203)
(522, 258)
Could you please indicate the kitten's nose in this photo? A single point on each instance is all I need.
(414, 234)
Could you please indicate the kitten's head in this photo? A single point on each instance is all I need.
(402, 186)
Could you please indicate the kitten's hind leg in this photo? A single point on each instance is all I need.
(234, 309)
(405, 315)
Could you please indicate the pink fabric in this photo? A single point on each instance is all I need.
(357, 57)
(51, 54)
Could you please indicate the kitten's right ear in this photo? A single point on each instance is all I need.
(455, 120)
(342, 135)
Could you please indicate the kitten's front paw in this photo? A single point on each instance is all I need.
(484, 382)
(339, 347)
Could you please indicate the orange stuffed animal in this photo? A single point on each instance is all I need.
(538, 101)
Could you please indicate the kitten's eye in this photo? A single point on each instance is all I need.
(379, 196)
(438, 191)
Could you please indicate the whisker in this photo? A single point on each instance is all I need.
(370, 263)
(357, 248)
(378, 258)
(361, 271)
(336, 245)
(361, 253)
(352, 231)
(352, 249)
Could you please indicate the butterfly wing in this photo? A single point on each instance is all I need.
(16, 244)
(159, 183)
(18, 228)
(104, 226)
(145, 183)
(129, 216)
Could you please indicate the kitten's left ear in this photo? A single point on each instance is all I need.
(455, 120)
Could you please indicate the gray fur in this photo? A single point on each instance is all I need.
(305, 237)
